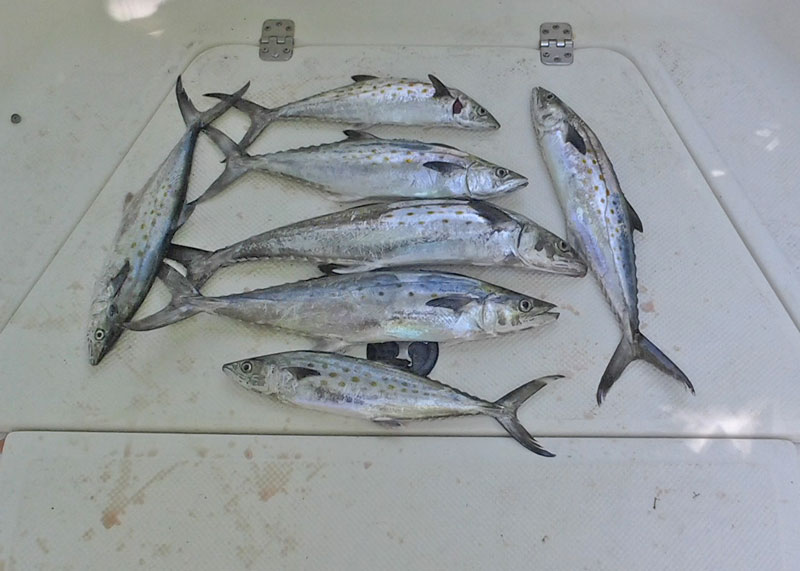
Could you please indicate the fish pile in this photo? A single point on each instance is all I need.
(428, 207)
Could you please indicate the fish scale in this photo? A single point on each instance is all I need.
(374, 391)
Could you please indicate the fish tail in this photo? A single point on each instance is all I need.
(182, 305)
(509, 405)
(640, 348)
(194, 118)
(200, 264)
(236, 164)
(260, 117)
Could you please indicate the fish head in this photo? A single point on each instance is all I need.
(540, 249)
(485, 179)
(259, 374)
(547, 110)
(105, 327)
(507, 311)
(470, 114)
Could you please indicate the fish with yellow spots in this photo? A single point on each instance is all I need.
(371, 307)
(404, 233)
(364, 166)
(150, 217)
(372, 100)
(381, 393)
(600, 226)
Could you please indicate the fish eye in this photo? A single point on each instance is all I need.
(99, 334)
(562, 246)
(246, 367)
(525, 305)
(549, 96)
(501, 172)
(480, 111)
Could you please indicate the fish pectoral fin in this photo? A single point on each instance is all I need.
(636, 222)
(356, 135)
(300, 373)
(341, 270)
(387, 422)
(574, 138)
(440, 88)
(454, 302)
(358, 78)
(120, 277)
(444, 168)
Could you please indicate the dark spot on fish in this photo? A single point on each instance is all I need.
(374, 384)
(415, 391)
(346, 369)
(355, 379)
(445, 221)
(380, 293)
(334, 375)
(411, 294)
(403, 390)
(390, 387)
(342, 383)
(409, 214)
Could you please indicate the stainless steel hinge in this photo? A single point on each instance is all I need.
(277, 40)
(555, 43)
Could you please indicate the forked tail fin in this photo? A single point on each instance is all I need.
(182, 305)
(640, 348)
(260, 117)
(510, 404)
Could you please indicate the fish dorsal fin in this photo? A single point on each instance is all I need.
(117, 281)
(454, 302)
(635, 220)
(356, 135)
(574, 138)
(300, 373)
(358, 78)
(444, 167)
(441, 88)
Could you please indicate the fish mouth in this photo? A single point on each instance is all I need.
(545, 318)
(229, 368)
(574, 268)
(516, 183)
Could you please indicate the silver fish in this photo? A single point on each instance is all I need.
(374, 100)
(149, 219)
(378, 392)
(365, 166)
(600, 225)
(371, 307)
(414, 232)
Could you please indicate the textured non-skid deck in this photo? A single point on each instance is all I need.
(702, 297)
(256, 502)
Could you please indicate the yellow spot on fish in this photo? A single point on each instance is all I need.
(612, 211)
(431, 212)
(583, 161)
(369, 157)
(342, 383)
(421, 222)
(409, 161)
(596, 187)
(133, 245)
(607, 191)
(594, 162)
(374, 384)
(409, 214)
(599, 211)
(390, 387)
(383, 91)
(399, 89)
(459, 212)
(385, 158)
(334, 375)
(425, 90)
(142, 226)
(590, 171)
(390, 216)
(601, 177)
(356, 379)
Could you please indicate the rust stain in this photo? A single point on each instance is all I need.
(648, 307)
(248, 454)
(119, 500)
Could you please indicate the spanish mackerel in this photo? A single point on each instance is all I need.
(372, 307)
(371, 100)
(381, 393)
(149, 219)
(412, 232)
(600, 225)
(365, 166)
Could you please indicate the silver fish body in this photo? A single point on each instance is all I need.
(365, 166)
(371, 100)
(374, 391)
(370, 307)
(414, 232)
(600, 225)
(150, 218)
